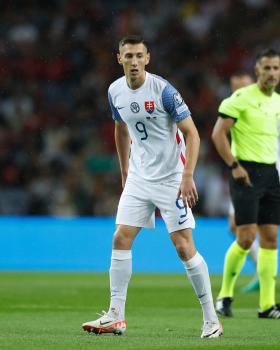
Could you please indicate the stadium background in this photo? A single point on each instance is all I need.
(57, 152)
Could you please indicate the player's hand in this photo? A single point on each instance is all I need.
(241, 176)
(188, 191)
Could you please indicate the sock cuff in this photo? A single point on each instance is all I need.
(194, 261)
(239, 250)
(121, 254)
(268, 253)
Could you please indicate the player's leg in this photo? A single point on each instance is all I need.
(267, 267)
(113, 321)
(253, 285)
(121, 267)
(234, 261)
(246, 205)
(134, 212)
(179, 222)
(269, 220)
(197, 272)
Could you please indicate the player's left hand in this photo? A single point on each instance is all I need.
(188, 191)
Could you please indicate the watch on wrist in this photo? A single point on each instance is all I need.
(234, 165)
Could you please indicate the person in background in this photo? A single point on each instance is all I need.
(237, 81)
(251, 114)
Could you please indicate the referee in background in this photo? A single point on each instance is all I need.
(251, 115)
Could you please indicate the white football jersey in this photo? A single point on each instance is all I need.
(151, 113)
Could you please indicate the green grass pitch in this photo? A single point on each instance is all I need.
(40, 311)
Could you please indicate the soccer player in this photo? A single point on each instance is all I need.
(251, 115)
(237, 81)
(151, 118)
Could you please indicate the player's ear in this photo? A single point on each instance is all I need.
(119, 58)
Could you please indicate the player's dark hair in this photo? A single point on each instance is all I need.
(132, 39)
(267, 53)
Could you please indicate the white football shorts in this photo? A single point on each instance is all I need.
(140, 198)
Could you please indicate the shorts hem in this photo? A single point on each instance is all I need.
(179, 228)
(268, 223)
(257, 223)
(134, 224)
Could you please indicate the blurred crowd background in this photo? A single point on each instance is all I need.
(57, 59)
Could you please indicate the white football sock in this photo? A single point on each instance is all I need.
(253, 252)
(197, 272)
(120, 273)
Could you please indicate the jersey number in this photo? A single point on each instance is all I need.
(140, 127)
(183, 217)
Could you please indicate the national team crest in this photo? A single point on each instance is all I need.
(149, 106)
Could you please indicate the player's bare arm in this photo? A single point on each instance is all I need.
(123, 143)
(187, 188)
(221, 142)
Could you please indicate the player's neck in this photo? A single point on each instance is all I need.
(136, 83)
(266, 90)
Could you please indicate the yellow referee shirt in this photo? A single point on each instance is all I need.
(254, 134)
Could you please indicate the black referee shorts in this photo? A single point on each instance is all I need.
(259, 204)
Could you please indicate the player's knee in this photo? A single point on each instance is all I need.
(182, 250)
(246, 235)
(272, 240)
(269, 242)
(245, 243)
(122, 238)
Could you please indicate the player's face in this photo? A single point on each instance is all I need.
(268, 72)
(134, 58)
(239, 81)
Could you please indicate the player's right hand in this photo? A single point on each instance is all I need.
(188, 192)
(241, 176)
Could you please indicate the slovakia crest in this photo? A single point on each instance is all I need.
(149, 106)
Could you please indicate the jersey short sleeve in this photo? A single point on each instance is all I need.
(115, 113)
(232, 106)
(174, 104)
